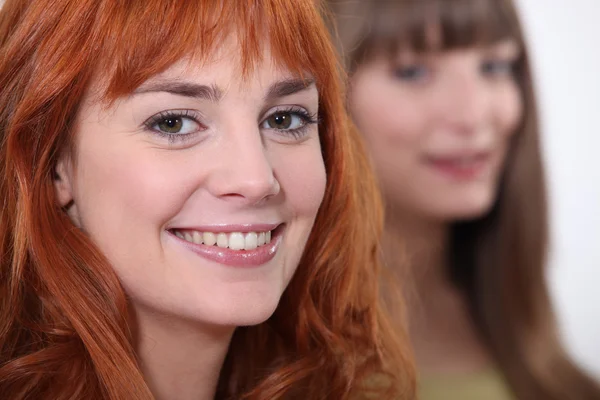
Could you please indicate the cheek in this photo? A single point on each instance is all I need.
(388, 115)
(300, 171)
(509, 109)
(395, 125)
(126, 192)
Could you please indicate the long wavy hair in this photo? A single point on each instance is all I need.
(64, 324)
(497, 261)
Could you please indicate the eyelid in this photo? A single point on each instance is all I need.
(499, 63)
(181, 113)
(292, 109)
(502, 54)
(174, 138)
(301, 112)
(509, 50)
(412, 73)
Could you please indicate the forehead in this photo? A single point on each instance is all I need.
(223, 68)
(226, 65)
(216, 82)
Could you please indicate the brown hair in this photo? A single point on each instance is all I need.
(498, 261)
(64, 330)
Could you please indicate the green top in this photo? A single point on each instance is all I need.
(485, 385)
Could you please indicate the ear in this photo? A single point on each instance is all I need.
(63, 184)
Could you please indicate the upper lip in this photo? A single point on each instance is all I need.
(229, 228)
(459, 155)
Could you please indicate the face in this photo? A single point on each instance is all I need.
(200, 189)
(438, 126)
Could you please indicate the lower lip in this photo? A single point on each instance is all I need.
(458, 171)
(237, 258)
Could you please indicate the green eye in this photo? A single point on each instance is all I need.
(286, 121)
(282, 121)
(170, 124)
(174, 123)
(292, 121)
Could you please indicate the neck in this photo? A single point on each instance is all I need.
(181, 360)
(416, 249)
(442, 331)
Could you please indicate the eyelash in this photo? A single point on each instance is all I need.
(412, 72)
(173, 114)
(498, 67)
(419, 72)
(306, 117)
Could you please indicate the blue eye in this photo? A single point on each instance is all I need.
(292, 121)
(411, 73)
(174, 123)
(497, 68)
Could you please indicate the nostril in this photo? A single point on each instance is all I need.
(247, 178)
(253, 192)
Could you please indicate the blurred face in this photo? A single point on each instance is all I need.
(438, 126)
(200, 189)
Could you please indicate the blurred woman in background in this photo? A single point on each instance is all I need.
(442, 92)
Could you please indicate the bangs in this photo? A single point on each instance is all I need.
(437, 25)
(148, 36)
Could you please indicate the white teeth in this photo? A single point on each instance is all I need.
(251, 241)
(209, 238)
(234, 241)
(222, 240)
(197, 237)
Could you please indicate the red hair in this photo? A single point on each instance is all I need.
(64, 329)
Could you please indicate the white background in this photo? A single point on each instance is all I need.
(564, 38)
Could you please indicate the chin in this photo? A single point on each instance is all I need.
(469, 210)
(254, 316)
(242, 313)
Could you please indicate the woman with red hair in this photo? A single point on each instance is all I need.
(186, 212)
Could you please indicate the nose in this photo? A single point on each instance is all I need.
(243, 172)
(464, 101)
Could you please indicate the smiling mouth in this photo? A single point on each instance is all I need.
(232, 240)
(461, 167)
(237, 248)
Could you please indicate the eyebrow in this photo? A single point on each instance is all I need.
(213, 93)
(288, 87)
(508, 46)
(182, 88)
